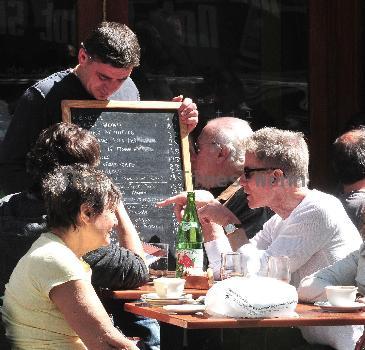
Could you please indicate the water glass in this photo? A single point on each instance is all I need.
(157, 255)
(279, 268)
(232, 265)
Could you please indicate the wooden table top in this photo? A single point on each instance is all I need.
(309, 315)
(148, 288)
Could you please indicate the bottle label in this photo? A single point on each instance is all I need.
(187, 225)
(188, 258)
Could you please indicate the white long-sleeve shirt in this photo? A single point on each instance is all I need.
(348, 271)
(316, 234)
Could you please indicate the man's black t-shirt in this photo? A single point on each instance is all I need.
(37, 109)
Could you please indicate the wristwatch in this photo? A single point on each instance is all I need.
(230, 228)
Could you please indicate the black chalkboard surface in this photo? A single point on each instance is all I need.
(145, 150)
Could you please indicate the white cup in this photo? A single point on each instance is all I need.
(169, 287)
(341, 295)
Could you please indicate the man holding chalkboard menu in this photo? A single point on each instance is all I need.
(105, 62)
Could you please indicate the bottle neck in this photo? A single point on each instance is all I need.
(191, 199)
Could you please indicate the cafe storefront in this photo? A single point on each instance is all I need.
(293, 64)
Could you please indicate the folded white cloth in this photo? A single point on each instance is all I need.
(254, 297)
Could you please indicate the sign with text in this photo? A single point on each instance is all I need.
(145, 150)
(37, 37)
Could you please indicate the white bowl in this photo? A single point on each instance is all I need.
(166, 287)
(341, 295)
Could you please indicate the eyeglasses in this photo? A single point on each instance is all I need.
(197, 146)
(248, 171)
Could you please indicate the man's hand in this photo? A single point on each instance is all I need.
(360, 299)
(211, 231)
(217, 213)
(127, 234)
(201, 198)
(130, 344)
(188, 113)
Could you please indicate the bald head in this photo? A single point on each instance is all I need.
(349, 156)
(232, 133)
(352, 137)
(221, 156)
(228, 128)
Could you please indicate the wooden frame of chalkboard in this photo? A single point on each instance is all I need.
(145, 149)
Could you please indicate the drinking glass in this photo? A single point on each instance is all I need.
(232, 265)
(157, 258)
(279, 268)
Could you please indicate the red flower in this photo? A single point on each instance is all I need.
(185, 261)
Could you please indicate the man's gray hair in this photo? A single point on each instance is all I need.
(232, 133)
(282, 149)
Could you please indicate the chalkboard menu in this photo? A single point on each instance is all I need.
(145, 151)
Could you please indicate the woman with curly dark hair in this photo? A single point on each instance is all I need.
(61, 144)
(23, 220)
(49, 301)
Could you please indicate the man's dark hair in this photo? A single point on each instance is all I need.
(349, 156)
(113, 43)
(61, 144)
(66, 188)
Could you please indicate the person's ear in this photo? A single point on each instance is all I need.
(278, 173)
(276, 177)
(85, 213)
(224, 153)
(82, 56)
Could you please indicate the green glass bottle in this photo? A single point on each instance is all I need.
(189, 243)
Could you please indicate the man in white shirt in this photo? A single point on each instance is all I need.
(310, 227)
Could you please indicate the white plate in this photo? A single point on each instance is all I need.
(154, 299)
(154, 296)
(184, 308)
(355, 306)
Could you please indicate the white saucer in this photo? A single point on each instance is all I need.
(354, 306)
(184, 308)
(154, 296)
(154, 299)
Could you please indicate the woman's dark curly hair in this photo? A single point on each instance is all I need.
(61, 144)
(66, 188)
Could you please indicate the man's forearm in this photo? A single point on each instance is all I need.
(238, 238)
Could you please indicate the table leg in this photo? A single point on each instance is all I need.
(172, 337)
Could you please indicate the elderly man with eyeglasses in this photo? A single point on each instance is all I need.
(309, 226)
(217, 159)
(106, 60)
